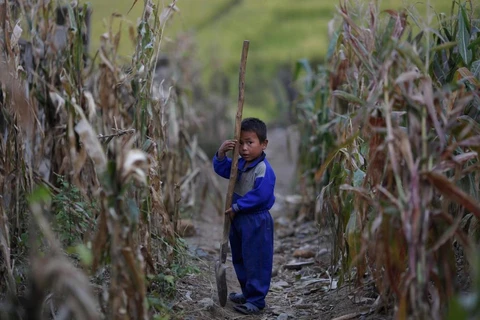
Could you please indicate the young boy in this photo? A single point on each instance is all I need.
(251, 233)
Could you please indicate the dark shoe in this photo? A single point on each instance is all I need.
(237, 298)
(247, 308)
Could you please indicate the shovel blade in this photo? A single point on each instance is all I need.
(221, 277)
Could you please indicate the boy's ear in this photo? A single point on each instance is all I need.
(264, 144)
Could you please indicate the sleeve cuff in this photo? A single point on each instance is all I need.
(235, 207)
(217, 159)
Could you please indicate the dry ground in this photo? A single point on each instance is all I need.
(308, 292)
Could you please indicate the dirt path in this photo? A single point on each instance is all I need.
(308, 292)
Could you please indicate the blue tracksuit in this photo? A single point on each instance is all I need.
(251, 233)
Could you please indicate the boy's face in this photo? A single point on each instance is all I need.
(250, 146)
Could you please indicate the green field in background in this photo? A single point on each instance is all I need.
(280, 33)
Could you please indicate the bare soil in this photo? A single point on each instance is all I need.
(302, 292)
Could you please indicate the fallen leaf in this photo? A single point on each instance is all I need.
(290, 232)
(313, 281)
(282, 316)
(279, 285)
(298, 265)
(356, 299)
(334, 284)
(303, 253)
(322, 252)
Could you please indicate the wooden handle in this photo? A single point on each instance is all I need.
(234, 169)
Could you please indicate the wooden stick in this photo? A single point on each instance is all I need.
(234, 169)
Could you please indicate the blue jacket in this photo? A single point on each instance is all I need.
(254, 188)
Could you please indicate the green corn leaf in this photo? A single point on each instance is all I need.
(444, 46)
(437, 69)
(463, 37)
(134, 210)
(447, 34)
(460, 306)
(39, 195)
(418, 38)
(387, 35)
(304, 65)
(475, 69)
(84, 253)
(362, 53)
(407, 52)
(332, 155)
(71, 16)
(358, 178)
(337, 37)
(474, 44)
(465, 18)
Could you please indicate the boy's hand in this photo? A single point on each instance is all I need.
(230, 213)
(225, 147)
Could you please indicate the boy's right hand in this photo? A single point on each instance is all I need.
(230, 213)
(226, 146)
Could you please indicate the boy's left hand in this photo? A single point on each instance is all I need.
(230, 213)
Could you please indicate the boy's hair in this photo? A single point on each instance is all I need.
(255, 125)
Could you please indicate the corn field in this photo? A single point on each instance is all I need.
(100, 158)
(98, 164)
(389, 151)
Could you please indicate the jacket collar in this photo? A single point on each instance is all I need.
(252, 164)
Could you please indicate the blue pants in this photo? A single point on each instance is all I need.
(251, 241)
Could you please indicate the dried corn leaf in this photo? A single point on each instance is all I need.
(403, 143)
(348, 97)
(16, 34)
(353, 235)
(100, 241)
(167, 12)
(449, 190)
(90, 142)
(408, 76)
(57, 273)
(5, 250)
(428, 95)
(162, 224)
(463, 74)
(19, 104)
(138, 291)
(470, 142)
(135, 166)
(464, 157)
(447, 235)
(91, 107)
